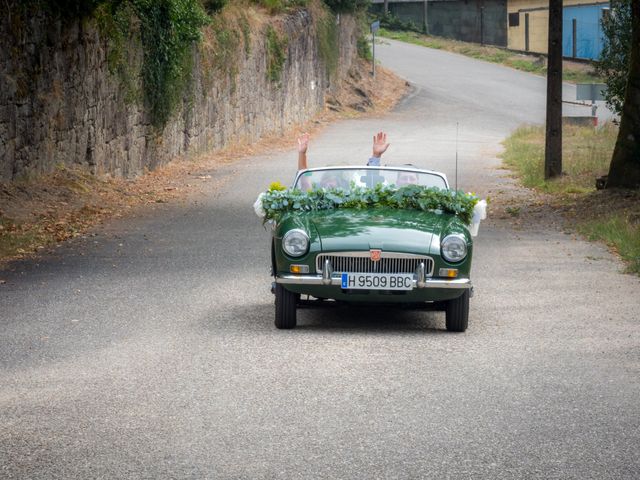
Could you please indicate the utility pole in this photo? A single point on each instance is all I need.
(482, 25)
(425, 17)
(553, 138)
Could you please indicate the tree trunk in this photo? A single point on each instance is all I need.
(625, 163)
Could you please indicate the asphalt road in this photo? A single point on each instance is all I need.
(148, 350)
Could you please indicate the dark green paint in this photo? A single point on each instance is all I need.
(405, 231)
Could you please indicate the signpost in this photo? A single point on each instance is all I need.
(375, 26)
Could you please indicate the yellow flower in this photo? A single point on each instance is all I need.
(276, 186)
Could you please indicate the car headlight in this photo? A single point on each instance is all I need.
(454, 248)
(295, 243)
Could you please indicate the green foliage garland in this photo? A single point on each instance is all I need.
(276, 202)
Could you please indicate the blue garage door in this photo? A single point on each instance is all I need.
(585, 40)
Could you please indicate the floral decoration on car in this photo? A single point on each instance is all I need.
(276, 202)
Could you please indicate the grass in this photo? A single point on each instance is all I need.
(621, 233)
(575, 73)
(586, 155)
(412, 37)
(612, 217)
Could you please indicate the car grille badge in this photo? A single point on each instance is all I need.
(375, 255)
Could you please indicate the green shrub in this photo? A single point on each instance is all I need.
(392, 22)
(613, 64)
(212, 6)
(347, 6)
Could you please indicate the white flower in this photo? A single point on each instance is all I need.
(480, 210)
(479, 213)
(257, 206)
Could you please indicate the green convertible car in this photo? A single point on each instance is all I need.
(372, 250)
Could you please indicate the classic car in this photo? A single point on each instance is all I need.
(372, 255)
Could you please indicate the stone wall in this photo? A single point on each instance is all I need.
(59, 104)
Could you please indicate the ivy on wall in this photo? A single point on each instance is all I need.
(167, 32)
(276, 54)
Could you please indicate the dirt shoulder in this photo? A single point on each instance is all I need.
(38, 213)
(570, 203)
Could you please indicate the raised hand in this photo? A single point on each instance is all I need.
(303, 143)
(380, 144)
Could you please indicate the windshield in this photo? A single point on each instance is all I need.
(345, 177)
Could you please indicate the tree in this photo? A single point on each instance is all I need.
(613, 64)
(625, 163)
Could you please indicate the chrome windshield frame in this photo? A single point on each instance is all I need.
(374, 168)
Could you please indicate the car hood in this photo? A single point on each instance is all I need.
(408, 231)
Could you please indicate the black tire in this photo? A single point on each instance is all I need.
(286, 308)
(457, 312)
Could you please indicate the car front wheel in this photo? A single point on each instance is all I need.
(286, 306)
(458, 313)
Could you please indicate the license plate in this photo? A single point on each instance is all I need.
(377, 281)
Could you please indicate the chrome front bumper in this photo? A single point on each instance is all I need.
(337, 281)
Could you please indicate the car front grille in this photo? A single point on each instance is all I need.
(360, 262)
